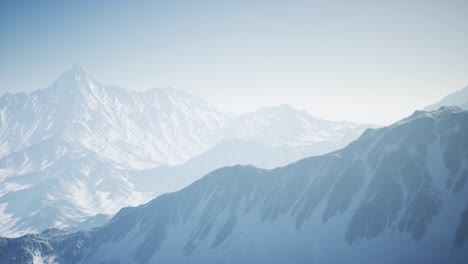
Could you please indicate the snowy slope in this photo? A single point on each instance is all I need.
(58, 185)
(396, 195)
(80, 148)
(458, 98)
(65, 151)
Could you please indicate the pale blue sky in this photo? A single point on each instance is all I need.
(364, 61)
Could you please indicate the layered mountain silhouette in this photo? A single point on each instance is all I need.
(81, 149)
(397, 194)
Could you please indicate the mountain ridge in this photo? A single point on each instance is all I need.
(397, 189)
(125, 136)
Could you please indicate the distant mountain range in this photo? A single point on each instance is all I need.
(458, 98)
(397, 194)
(81, 149)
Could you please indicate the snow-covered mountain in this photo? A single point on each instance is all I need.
(65, 151)
(458, 98)
(60, 185)
(80, 149)
(396, 195)
(129, 129)
(284, 125)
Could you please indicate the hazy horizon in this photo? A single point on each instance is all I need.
(212, 131)
(337, 60)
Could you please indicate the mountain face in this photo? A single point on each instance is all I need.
(396, 195)
(134, 130)
(458, 98)
(59, 185)
(81, 149)
(66, 151)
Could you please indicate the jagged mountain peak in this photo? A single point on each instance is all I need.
(77, 86)
(147, 128)
(72, 86)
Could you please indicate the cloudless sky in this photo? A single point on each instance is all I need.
(364, 61)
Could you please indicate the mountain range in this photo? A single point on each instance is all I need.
(73, 154)
(397, 194)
